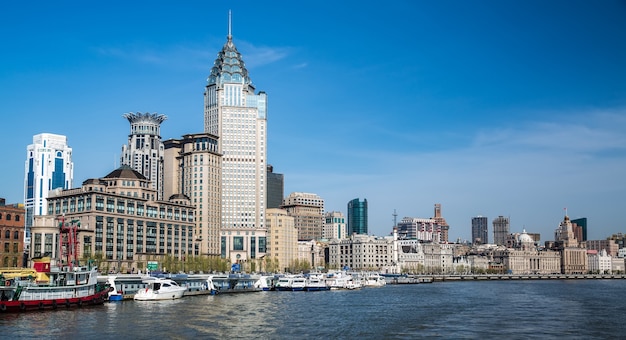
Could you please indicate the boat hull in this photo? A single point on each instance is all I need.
(50, 304)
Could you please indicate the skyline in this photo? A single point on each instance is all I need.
(488, 108)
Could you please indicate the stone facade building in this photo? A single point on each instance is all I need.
(121, 222)
(282, 238)
(361, 252)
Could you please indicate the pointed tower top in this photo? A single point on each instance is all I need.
(230, 25)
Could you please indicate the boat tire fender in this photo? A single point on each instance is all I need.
(54, 304)
(40, 305)
(22, 306)
(67, 303)
(80, 303)
(3, 307)
(7, 283)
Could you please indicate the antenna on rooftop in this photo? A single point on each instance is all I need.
(230, 23)
(395, 218)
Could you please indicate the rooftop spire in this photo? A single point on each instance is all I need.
(230, 25)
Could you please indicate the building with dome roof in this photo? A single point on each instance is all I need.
(526, 258)
(238, 116)
(121, 222)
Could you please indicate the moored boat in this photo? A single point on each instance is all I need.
(50, 288)
(291, 283)
(160, 289)
(315, 283)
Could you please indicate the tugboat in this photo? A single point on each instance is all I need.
(51, 287)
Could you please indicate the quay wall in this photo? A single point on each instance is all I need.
(441, 278)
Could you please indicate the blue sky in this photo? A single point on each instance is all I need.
(514, 108)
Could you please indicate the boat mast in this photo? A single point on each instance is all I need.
(68, 241)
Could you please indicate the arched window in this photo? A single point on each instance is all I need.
(0, 216)
(7, 234)
(8, 217)
(16, 235)
(17, 218)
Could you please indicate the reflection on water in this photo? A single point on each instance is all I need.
(492, 309)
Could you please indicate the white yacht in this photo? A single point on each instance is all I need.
(373, 280)
(160, 289)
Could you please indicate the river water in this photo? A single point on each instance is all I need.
(572, 309)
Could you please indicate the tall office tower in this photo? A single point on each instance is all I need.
(308, 212)
(357, 217)
(334, 226)
(48, 166)
(441, 222)
(275, 188)
(479, 230)
(238, 116)
(501, 230)
(582, 222)
(144, 152)
(192, 167)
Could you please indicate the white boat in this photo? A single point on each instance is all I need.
(160, 289)
(373, 280)
(342, 280)
(315, 283)
(266, 282)
(291, 283)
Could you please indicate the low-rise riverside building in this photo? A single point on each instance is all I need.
(599, 262)
(122, 224)
(361, 252)
(525, 258)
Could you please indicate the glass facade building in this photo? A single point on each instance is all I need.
(48, 167)
(480, 233)
(357, 217)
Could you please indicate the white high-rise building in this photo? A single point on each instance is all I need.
(144, 152)
(238, 116)
(48, 166)
(334, 226)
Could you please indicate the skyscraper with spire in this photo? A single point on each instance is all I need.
(238, 115)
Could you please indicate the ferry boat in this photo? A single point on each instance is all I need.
(235, 283)
(65, 284)
(315, 283)
(291, 283)
(160, 289)
(342, 280)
